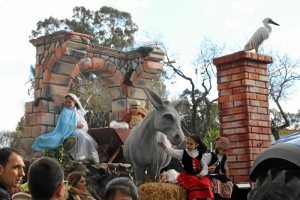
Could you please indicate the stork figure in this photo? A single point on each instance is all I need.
(260, 35)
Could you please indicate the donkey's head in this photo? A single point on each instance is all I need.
(166, 117)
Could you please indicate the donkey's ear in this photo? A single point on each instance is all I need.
(154, 98)
(178, 103)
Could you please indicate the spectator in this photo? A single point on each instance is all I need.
(71, 122)
(121, 188)
(11, 171)
(218, 169)
(78, 190)
(193, 178)
(46, 180)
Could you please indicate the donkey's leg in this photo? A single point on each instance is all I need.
(139, 175)
(154, 173)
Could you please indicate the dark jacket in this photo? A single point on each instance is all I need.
(221, 166)
(220, 172)
(4, 193)
(187, 162)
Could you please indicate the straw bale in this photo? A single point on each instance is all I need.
(161, 191)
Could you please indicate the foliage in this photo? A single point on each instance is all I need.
(94, 98)
(60, 155)
(108, 26)
(209, 138)
(206, 118)
(285, 132)
(293, 118)
(64, 158)
(144, 50)
(20, 125)
(8, 138)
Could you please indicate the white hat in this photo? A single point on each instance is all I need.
(135, 103)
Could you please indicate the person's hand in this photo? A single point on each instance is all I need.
(200, 176)
(211, 169)
(80, 126)
(161, 144)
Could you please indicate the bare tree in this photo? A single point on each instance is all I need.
(283, 74)
(198, 98)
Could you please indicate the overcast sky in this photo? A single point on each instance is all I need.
(182, 24)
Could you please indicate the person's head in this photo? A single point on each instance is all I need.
(46, 180)
(77, 179)
(193, 142)
(134, 106)
(11, 167)
(121, 188)
(222, 145)
(70, 101)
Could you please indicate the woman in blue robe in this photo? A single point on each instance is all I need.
(71, 122)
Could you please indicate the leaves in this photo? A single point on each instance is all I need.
(108, 26)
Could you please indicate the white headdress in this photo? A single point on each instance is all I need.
(81, 109)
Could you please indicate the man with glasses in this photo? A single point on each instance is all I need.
(135, 114)
(46, 180)
(11, 171)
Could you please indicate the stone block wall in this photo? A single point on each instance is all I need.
(60, 57)
(242, 80)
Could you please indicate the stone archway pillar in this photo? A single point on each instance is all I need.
(61, 56)
(242, 80)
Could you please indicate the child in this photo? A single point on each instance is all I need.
(222, 186)
(192, 178)
(71, 122)
(121, 188)
(135, 114)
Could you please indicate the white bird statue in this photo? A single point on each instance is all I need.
(260, 35)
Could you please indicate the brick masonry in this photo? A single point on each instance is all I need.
(242, 80)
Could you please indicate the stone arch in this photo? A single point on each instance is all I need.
(61, 56)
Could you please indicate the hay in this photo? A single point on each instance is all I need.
(161, 191)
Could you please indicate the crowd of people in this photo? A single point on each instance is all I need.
(204, 175)
(46, 181)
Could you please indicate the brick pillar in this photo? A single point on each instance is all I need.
(242, 80)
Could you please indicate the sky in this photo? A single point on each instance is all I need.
(181, 23)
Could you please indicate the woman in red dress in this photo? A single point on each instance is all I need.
(196, 182)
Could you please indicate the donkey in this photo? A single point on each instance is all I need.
(162, 123)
